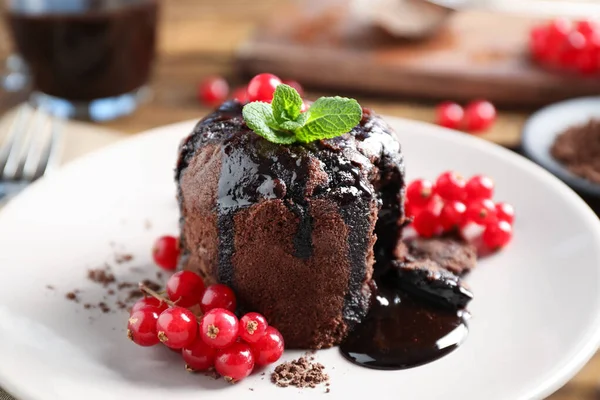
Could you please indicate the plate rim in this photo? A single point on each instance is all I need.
(556, 379)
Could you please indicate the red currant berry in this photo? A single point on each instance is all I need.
(198, 356)
(538, 43)
(587, 27)
(252, 327)
(185, 288)
(213, 91)
(141, 328)
(240, 94)
(479, 187)
(449, 114)
(235, 362)
(296, 85)
(481, 212)
(570, 50)
(262, 87)
(452, 215)
(166, 252)
(587, 61)
(177, 327)
(419, 192)
(505, 212)
(497, 234)
(450, 186)
(426, 223)
(218, 296)
(158, 305)
(558, 30)
(269, 348)
(219, 328)
(479, 115)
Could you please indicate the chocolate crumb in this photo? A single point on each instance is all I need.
(159, 275)
(123, 258)
(125, 285)
(578, 149)
(72, 296)
(252, 390)
(49, 287)
(300, 373)
(87, 306)
(104, 307)
(327, 390)
(147, 224)
(102, 276)
(111, 292)
(121, 305)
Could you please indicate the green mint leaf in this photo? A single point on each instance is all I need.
(259, 118)
(329, 117)
(286, 104)
(294, 125)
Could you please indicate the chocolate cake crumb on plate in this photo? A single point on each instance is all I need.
(428, 281)
(301, 373)
(450, 253)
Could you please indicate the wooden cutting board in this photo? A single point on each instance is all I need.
(476, 55)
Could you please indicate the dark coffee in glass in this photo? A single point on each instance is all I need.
(86, 58)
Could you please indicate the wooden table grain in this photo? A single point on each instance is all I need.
(199, 38)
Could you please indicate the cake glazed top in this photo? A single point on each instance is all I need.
(365, 164)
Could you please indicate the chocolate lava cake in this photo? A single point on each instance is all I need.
(294, 229)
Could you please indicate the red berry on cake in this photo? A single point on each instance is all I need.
(505, 212)
(218, 296)
(479, 115)
(149, 302)
(479, 187)
(419, 192)
(449, 115)
(262, 87)
(235, 362)
(497, 234)
(141, 327)
(269, 348)
(212, 91)
(177, 327)
(481, 212)
(185, 288)
(166, 252)
(450, 186)
(252, 327)
(198, 356)
(453, 215)
(219, 328)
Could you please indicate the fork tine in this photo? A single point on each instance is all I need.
(50, 155)
(13, 170)
(16, 126)
(40, 141)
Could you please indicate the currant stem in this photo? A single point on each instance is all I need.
(145, 289)
(156, 295)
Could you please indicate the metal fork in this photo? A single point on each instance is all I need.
(28, 151)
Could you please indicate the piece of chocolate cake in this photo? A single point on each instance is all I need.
(293, 229)
(452, 253)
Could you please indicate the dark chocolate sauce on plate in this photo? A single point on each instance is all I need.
(402, 332)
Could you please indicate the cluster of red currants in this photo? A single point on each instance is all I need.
(216, 339)
(566, 45)
(214, 90)
(476, 117)
(452, 204)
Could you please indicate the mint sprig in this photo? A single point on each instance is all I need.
(282, 121)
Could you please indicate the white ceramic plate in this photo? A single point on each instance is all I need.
(541, 130)
(536, 315)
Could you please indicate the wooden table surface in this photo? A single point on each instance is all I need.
(199, 38)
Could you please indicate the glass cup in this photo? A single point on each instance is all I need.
(87, 59)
